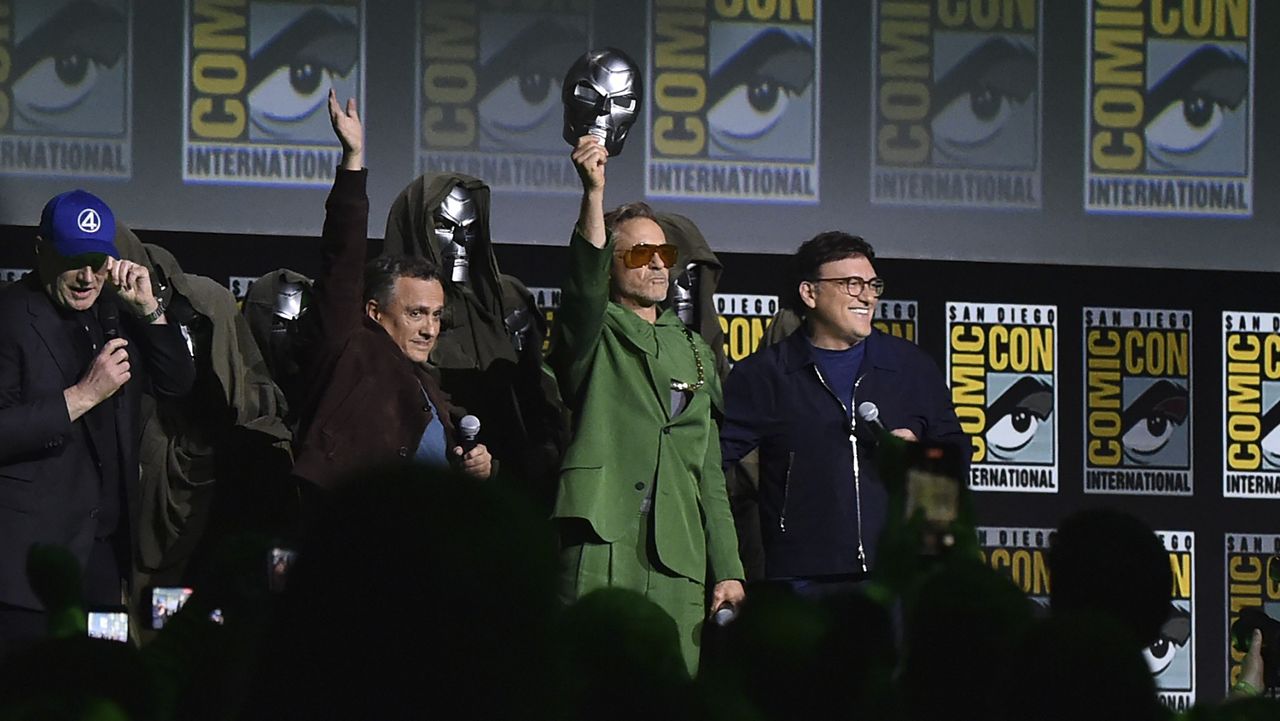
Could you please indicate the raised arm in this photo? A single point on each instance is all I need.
(589, 157)
(585, 296)
(339, 289)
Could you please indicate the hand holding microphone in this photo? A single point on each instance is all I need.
(869, 413)
(475, 459)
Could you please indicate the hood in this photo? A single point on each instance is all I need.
(685, 235)
(235, 358)
(409, 232)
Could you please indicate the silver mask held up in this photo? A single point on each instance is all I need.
(455, 230)
(601, 95)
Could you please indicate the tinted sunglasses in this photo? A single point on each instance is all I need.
(638, 256)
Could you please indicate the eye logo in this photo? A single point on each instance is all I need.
(733, 103)
(1151, 420)
(1169, 108)
(955, 101)
(65, 87)
(984, 106)
(1193, 111)
(1174, 637)
(519, 87)
(1137, 401)
(88, 220)
(1002, 371)
(258, 73)
(752, 93)
(487, 90)
(291, 72)
(1251, 407)
(1014, 419)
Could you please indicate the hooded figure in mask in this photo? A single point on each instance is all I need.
(272, 307)
(692, 297)
(212, 463)
(489, 353)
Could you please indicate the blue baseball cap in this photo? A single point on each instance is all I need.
(78, 223)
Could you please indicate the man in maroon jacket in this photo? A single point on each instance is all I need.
(370, 397)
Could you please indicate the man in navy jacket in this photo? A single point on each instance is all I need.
(822, 503)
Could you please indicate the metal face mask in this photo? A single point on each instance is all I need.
(684, 295)
(455, 230)
(601, 94)
(291, 300)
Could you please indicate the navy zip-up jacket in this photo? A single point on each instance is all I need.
(820, 514)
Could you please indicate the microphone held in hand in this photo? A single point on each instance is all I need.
(109, 319)
(869, 414)
(469, 427)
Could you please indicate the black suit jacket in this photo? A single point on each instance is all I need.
(49, 480)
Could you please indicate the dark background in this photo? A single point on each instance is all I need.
(1058, 255)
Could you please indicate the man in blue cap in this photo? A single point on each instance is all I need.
(80, 340)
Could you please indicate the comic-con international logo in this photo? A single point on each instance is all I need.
(256, 80)
(1137, 401)
(1171, 657)
(548, 301)
(66, 88)
(955, 103)
(1252, 581)
(744, 319)
(898, 318)
(733, 100)
(1002, 365)
(487, 89)
(1020, 555)
(1169, 107)
(1251, 407)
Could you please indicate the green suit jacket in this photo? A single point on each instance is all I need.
(615, 371)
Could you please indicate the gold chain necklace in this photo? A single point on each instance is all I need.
(697, 361)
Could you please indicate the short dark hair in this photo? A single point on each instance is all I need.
(823, 248)
(629, 211)
(381, 274)
(826, 247)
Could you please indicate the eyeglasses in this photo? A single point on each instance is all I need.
(638, 256)
(853, 285)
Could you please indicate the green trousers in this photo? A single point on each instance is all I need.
(631, 562)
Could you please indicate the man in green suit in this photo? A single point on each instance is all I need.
(641, 501)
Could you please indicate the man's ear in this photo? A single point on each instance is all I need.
(806, 292)
(371, 309)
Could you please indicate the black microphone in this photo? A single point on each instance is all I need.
(869, 414)
(469, 426)
(109, 319)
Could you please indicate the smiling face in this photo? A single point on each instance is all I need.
(837, 320)
(639, 289)
(411, 316)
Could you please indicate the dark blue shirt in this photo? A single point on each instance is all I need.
(840, 369)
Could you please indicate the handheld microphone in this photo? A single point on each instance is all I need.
(469, 426)
(725, 615)
(109, 319)
(869, 413)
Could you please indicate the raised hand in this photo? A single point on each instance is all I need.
(349, 129)
(133, 285)
(589, 158)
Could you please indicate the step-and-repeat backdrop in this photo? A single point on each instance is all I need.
(1124, 348)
